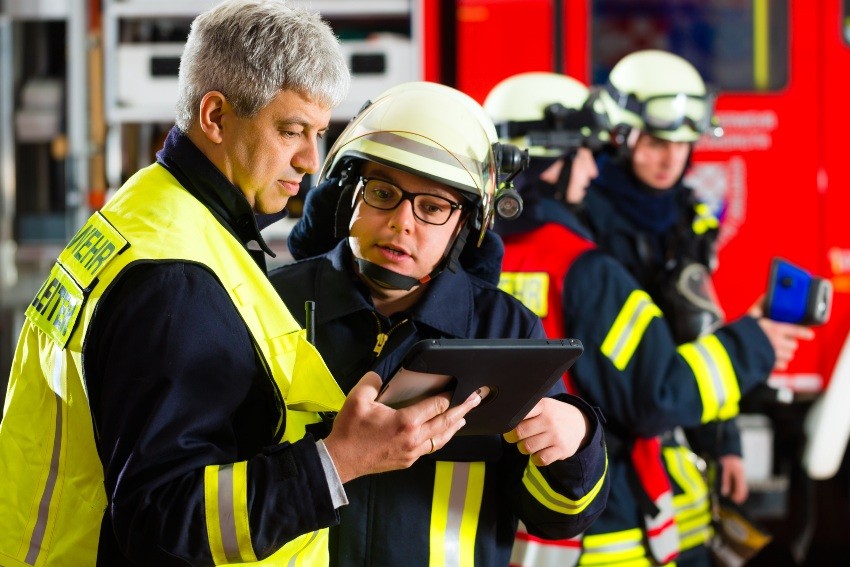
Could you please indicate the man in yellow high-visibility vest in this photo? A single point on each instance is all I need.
(161, 397)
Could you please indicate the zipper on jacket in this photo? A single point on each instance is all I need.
(382, 337)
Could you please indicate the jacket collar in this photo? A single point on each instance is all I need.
(646, 208)
(205, 182)
(341, 293)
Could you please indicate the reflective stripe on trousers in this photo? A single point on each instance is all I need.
(620, 549)
(455, 509)
(693, 513)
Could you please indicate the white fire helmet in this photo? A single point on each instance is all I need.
(548, 113)
(661, 94)
(429, 130)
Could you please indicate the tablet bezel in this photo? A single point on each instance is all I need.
(518, 372)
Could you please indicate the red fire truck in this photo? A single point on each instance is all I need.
(776, 179)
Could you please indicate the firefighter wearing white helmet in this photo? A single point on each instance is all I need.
(631, 367)
(431, 131)
(561, 123)
(417, 168)
(661, 94)
(548, 113)
(642, 213)
(659, 107)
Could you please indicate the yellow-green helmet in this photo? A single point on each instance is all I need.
(547, 113)
(659, 93)
(430, 130)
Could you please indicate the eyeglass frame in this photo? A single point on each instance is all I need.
(407, 196)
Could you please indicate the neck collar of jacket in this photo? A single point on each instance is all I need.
(340, 292)
(650, 209)
(205, 182)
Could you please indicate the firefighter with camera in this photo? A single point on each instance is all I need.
(645, 383)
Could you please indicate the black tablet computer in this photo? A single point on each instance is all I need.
(514, 374)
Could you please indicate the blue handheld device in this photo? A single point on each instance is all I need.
(795, 296)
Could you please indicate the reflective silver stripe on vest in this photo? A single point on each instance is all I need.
(40, 527)
(293, 561)
(692, 507)
(226, 513)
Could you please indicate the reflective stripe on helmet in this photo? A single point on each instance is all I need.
(397, 146)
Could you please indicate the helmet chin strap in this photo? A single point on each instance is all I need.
(388, 278)
(393, 280)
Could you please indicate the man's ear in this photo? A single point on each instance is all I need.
(213, 107)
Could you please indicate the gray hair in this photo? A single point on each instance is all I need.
(250, 50)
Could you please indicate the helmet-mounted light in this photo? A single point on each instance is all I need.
(511, 161)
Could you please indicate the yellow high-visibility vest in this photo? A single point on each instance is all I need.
(53, 500)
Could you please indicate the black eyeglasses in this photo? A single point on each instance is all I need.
(431, 209)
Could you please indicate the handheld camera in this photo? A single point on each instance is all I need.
(795, 296)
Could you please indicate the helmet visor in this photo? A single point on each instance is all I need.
(671, 112)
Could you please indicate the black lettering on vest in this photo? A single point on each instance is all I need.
(43, 299)
(55, 304)
(72, 244)
(65, 313)
(89, 246)
(99, 255)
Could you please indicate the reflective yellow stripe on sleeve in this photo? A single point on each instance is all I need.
(718, 385)
(628, 328)
(455, 508)
(537, 486)
(226, 503)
